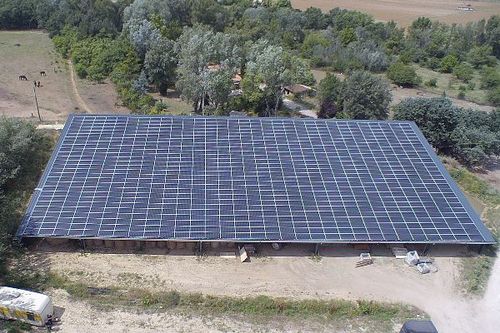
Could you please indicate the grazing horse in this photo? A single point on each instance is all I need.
(42, 73)
(23, 78)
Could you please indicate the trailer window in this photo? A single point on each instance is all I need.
(31, 316)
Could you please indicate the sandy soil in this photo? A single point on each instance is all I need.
(289, 273)
(28, 53)
(406, 11)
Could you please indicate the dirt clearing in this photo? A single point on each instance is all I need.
(406, 11)
(30, 52)
(290, 273)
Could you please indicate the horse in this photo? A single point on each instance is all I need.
(23, 78)
(42, 73)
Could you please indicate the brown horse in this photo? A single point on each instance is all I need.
(23, 78)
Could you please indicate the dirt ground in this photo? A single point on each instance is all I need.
(405, 12)
(28, 53)
(399, 94)
(291, 272)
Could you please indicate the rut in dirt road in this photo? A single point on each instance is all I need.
(79, 98)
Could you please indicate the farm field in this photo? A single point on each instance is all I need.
(406, 11)
(28, 53)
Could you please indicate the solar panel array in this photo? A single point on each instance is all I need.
(248, 179)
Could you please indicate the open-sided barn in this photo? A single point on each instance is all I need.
(250, 180)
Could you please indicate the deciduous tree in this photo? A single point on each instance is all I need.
(365, 96)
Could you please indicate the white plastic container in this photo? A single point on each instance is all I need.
(26, 306)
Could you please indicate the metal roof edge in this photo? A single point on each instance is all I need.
(290, 241)
(485, 232)
(104, 115)
(34, 198)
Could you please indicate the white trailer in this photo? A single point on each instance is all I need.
(26, 306)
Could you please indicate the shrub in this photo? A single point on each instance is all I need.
(402, 75)
(431, 82)
(490, 78)
(461, 94)
(480, 56)
(464, 72)
(448, 63)
(493, 96)
(468, 135)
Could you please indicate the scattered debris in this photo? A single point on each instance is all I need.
(425, 260)
(423, 268)
(276, 246)
(423, 264)
(365, 259)
(412, 258)
(250, 248)
(227, 254)
(399, 252)
(244, 255)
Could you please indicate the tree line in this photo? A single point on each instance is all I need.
(23, 153)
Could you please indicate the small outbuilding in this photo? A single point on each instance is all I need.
(298, 90)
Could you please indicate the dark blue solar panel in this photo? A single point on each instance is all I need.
(252, 179)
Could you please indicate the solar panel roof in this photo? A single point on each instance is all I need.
(248, 179)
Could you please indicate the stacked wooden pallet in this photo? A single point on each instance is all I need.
(365, 259)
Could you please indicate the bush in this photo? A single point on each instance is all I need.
(431, 82)
(493, 96)
(480, 56)
(464, 72)
(448, 63)
(23, 153)
(402, 75)
(468, 135)
(490, 78)
(461, 94)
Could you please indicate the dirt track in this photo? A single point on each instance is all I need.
(78, 98)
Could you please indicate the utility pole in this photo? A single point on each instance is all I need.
(36, 103)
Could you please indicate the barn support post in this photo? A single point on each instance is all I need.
(426, 249)
(316, 249)
(82, 244)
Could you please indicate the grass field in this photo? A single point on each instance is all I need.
(476, 268)
(28, 53)
(450, 84)
(406, 11)
(175, 105)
